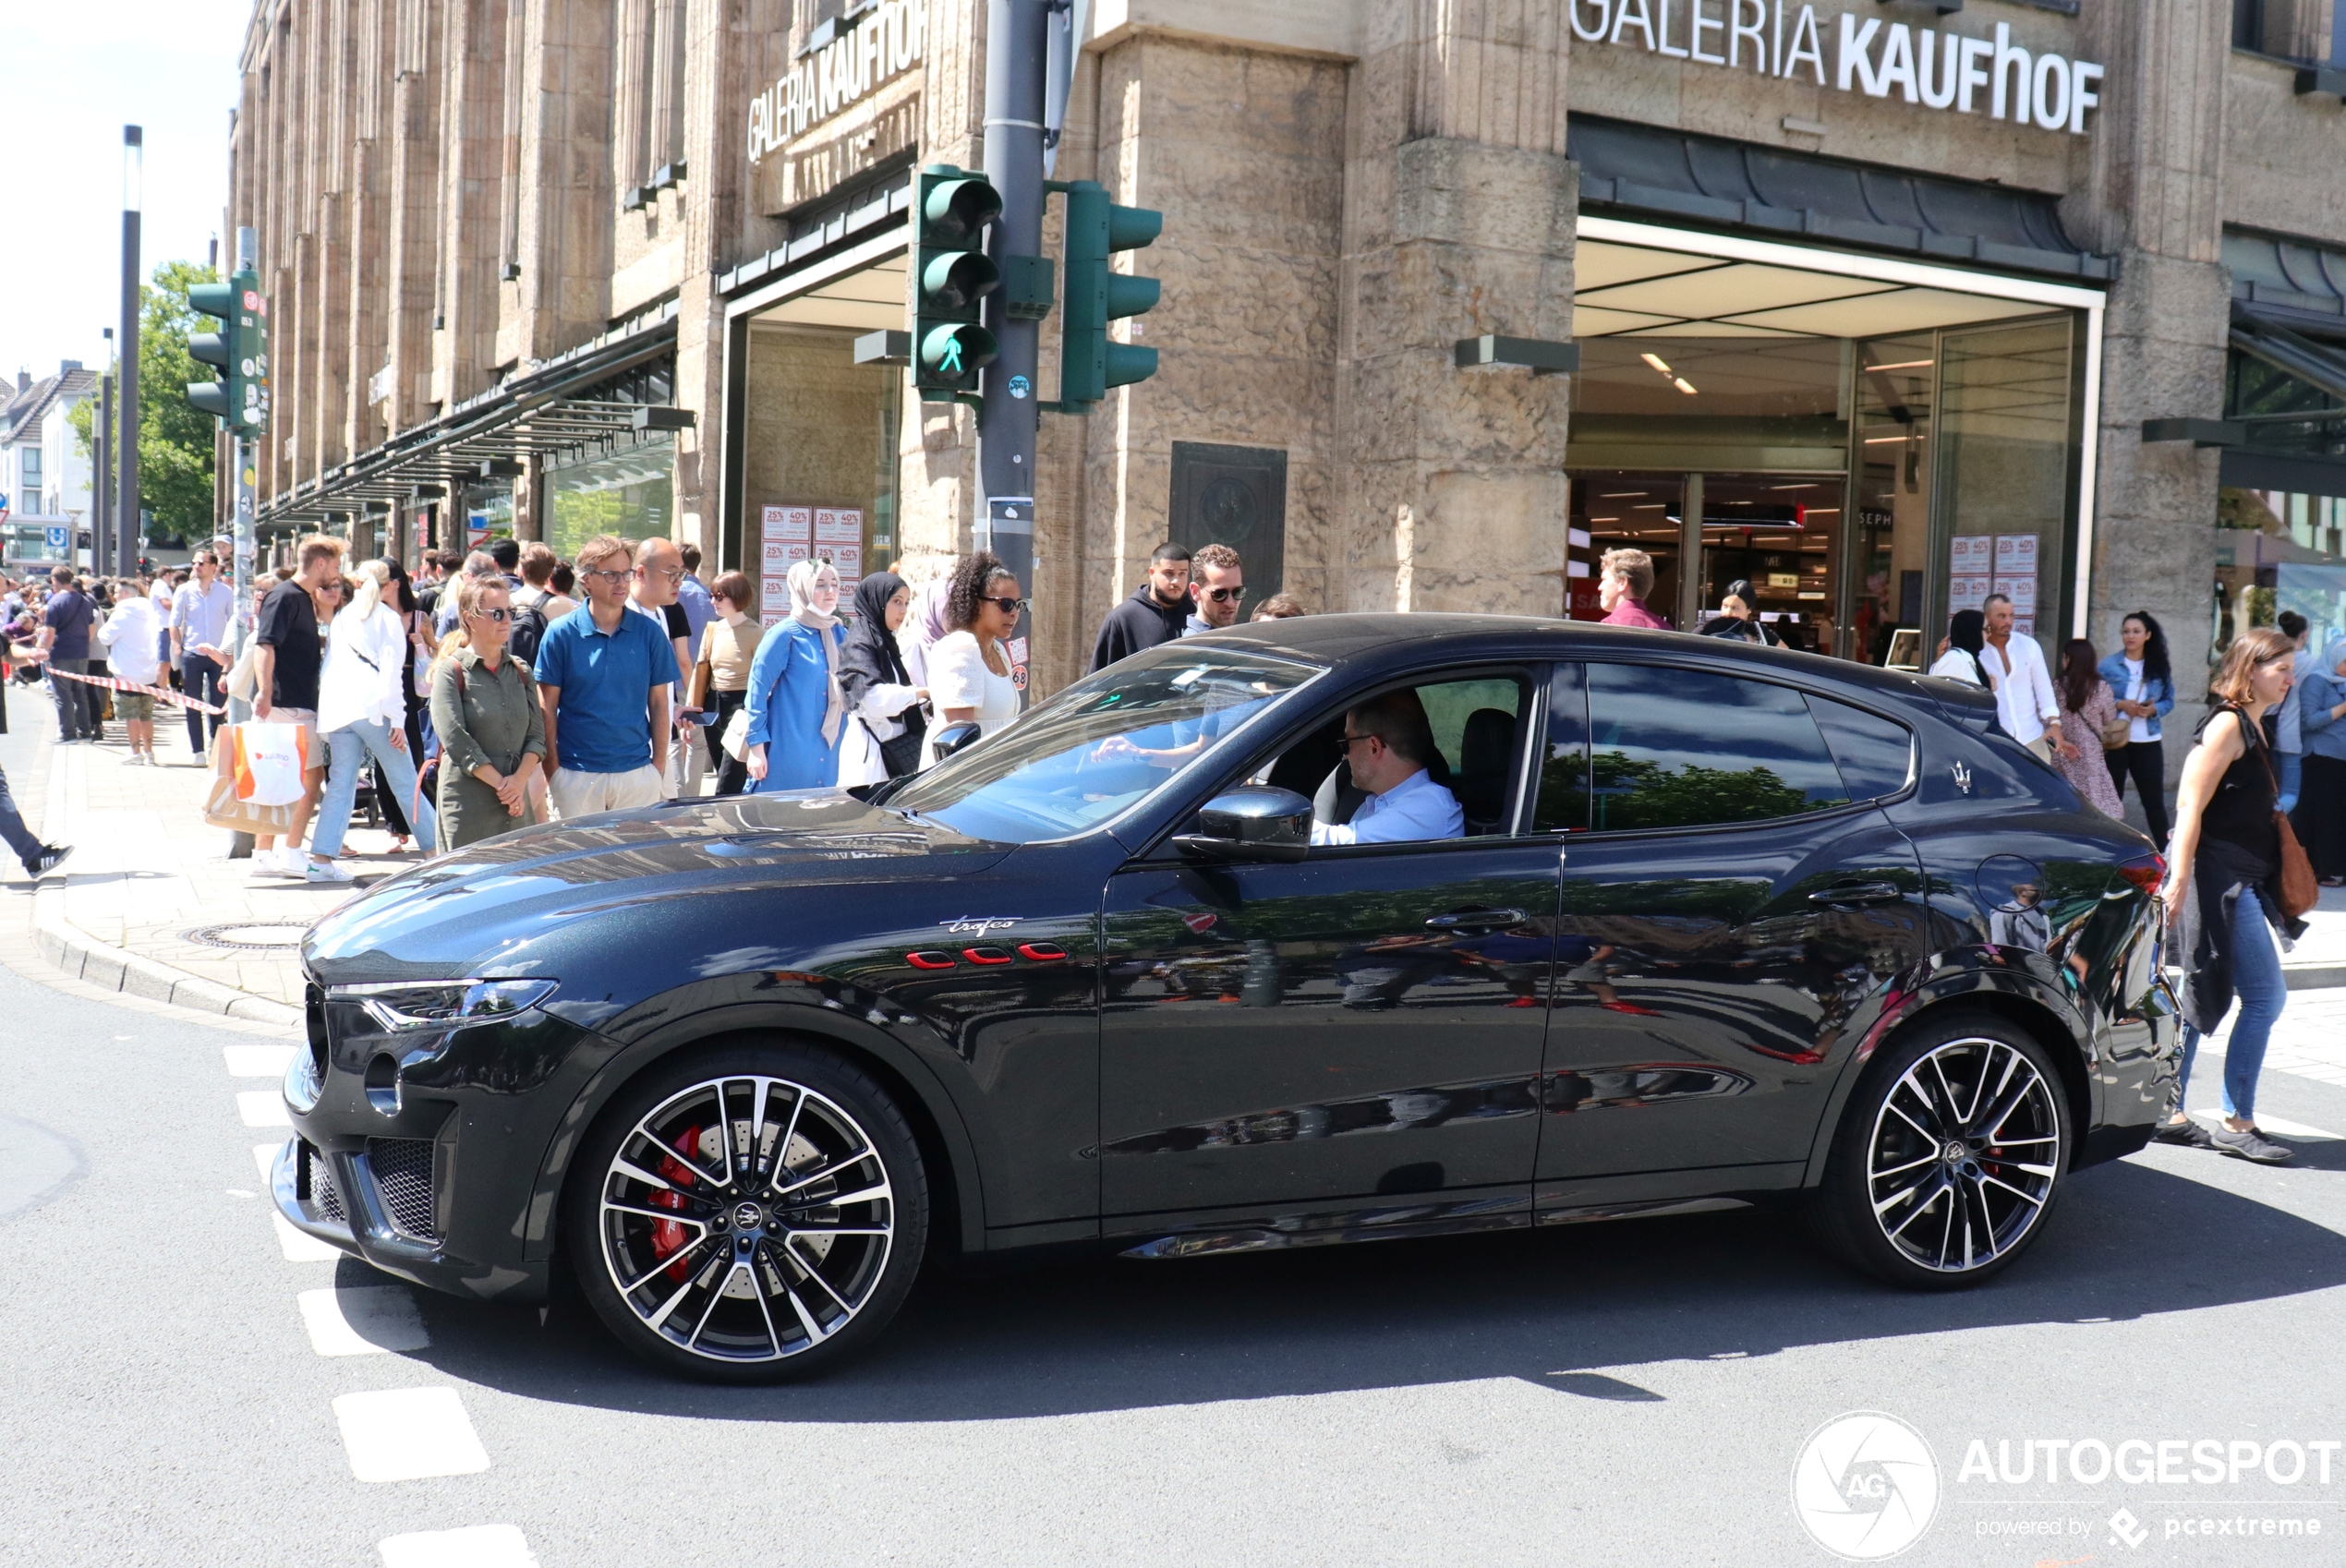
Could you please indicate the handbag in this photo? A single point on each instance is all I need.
(2116, 732)
(734, 742)
(900, 754)
(2296, 886)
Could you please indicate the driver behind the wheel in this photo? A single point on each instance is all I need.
(1388, 743)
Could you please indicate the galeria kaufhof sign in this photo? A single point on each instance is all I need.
(1922, 65)
(884, 43)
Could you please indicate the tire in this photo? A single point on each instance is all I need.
(767, 1276)
(1916, 1190)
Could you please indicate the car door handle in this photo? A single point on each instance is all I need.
(1849, 892)
(1475, 919)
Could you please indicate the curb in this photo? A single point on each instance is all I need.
(2314, 977)
(110, 969)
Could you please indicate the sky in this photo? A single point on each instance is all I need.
(76, 75)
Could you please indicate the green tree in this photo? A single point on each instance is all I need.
(175, 438)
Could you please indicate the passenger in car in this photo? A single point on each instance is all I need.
(1388, 741)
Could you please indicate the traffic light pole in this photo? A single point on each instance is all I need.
(1017, 45)
(126, 489)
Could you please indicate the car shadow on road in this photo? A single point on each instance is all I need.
(2128, 1241)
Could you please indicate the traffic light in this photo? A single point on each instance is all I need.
(239, 397)
(951, 275)
(1096, 228)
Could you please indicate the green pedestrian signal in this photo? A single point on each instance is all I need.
(951, 276)
(1096, 229)
(238, 397)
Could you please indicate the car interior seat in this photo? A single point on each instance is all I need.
(1486, 747)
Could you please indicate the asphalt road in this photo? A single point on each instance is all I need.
(1628, 1392)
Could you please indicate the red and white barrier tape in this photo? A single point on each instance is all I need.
(112, 684)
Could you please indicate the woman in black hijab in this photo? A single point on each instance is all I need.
(1737, 619)
(885, 724)
(1966, 637)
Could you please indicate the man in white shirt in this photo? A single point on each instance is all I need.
(200, 617)
(1388, 741)
(2025, 701)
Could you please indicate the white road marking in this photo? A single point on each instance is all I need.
(482, 1546)
(259, 1061)
(265, 1156)
(262, 1107)
(302, 1248)
(364, 1321)
(405, 1434)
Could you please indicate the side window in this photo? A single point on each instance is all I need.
(1476, 725)
(1563, 805)
(1876, 756)
(1679, 748)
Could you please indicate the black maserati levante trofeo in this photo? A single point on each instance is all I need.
(1725, 925)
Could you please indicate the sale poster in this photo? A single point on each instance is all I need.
(848, 559)
(787, 523)
(1972, 555)
(1968, 591)
(2022, 591)
(2015, 555)
(839, 525)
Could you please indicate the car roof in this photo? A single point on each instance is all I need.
(1373, 642)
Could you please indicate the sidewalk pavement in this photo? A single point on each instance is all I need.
(152, 905)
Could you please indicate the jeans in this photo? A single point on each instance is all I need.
(2257, 979)
(202, 681)
(12, 830)
(2293, 776)
(76, 701)
(350, 746)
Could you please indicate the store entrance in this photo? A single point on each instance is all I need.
(1776, 533)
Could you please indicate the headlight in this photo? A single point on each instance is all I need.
(408, 1006)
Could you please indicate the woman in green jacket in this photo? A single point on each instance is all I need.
(492, 735)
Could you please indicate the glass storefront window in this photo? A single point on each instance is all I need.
(630, 492)
(2003, 479)
(2277, 551)
(820, 454)
(1890, 535)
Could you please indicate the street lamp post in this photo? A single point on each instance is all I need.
(125, 493)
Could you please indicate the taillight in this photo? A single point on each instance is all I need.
(2147, 872)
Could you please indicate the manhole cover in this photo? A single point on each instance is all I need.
(254, 935)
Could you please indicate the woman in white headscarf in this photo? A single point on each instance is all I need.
(796, 711)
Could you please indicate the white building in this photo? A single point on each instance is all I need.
(45, 480)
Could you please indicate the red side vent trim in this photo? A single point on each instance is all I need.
(929, 961)
(1042, 952)
(985, 955)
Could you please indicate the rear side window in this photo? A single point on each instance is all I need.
(1876, 756)
(1682, 748)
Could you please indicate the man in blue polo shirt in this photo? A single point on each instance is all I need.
(603, 678)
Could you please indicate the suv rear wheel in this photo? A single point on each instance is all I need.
(748, 1214)
(1947, 1157)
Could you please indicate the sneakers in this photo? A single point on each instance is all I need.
(47, 859)
(286, 862)
(2185, 1134)
(327, 871)
(2250, 1145)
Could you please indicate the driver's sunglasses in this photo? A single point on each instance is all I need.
(1008, 606)
(1222, 596)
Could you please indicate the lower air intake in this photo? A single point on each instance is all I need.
(403, 1173)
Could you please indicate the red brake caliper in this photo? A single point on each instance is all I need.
(667, 1234)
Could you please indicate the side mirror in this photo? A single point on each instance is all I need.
(956, 738)
(1253, 822)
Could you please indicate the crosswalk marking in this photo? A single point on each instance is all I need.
(405, 1434)
(264, 1156)
(262, 1107)
(363, 1320)
(301, 1247)
(259, 1061)
(482, 1546)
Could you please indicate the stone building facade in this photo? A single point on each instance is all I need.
(1880, 307)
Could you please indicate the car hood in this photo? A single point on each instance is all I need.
(507, 906)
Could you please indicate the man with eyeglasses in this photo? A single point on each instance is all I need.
(660, 574)
(1388, 741)
(1216, 583)
(603, 681)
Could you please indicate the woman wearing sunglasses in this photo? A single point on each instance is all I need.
(362, 711)
(492, 733)
(796, 709)
(969, 670)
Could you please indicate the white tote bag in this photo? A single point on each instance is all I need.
(269, 761)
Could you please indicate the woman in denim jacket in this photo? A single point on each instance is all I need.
(2143, 682)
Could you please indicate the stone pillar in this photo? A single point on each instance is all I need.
(1459, 214)
(2153, 199)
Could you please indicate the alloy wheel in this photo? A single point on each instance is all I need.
(1962, 1155)
(746, 1219)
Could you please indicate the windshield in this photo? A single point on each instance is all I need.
(1102, 746)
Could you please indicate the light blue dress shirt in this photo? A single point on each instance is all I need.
(1415, 809)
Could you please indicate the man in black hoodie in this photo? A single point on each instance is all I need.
(1154, 614)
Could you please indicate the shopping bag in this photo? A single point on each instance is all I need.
(224, 809)
(269, 761)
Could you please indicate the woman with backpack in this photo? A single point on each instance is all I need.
(492, 733)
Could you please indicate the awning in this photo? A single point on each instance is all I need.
(2288, 282)
(1775, 192)
(2318, 364)
(542, 414)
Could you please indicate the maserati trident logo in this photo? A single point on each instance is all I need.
(746, 1216)
(1962, 777)
(1866, 1486)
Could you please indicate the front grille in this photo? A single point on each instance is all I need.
(317, 1184)
(403, 1173)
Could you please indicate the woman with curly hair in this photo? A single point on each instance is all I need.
(969, 669)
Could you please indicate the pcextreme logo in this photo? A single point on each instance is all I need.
(1866, 1486)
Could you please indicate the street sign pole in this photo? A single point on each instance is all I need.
(125, 523)
(1017, 44)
